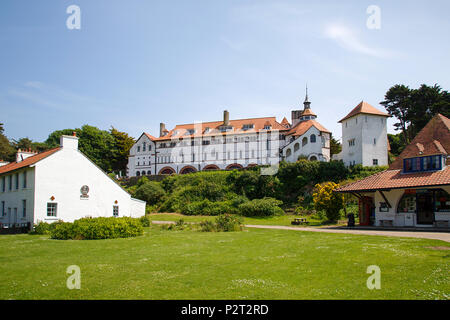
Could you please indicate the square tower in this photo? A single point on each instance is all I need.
(364, 136)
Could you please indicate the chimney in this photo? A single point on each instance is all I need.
(226, 118)
(162, 130)
(3, 163)
(23, 154)
(69, 142)
(295, 116)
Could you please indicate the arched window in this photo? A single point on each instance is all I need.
(138, 173)
(407, 203)
(313, 158)
(296, 147)
(312, 138)
(143, 173)
(288, 153)
(149, 172)
(304, 141)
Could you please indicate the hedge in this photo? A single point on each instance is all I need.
(98, 228)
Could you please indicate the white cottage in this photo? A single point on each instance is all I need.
(415, 190)
(60, 184)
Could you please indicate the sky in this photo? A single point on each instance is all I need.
(133, 64)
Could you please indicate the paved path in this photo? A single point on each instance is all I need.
(444, 236)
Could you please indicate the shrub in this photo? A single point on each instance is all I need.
(145, 221)
(208, 208)
(44, 227)
(325, 199)
(223, 223)
(98, 228)
(261, 208)
(150, 191)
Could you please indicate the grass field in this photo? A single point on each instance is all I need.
(284, 220)
(253, 264)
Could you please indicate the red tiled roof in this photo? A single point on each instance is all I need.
(434, 138)
(303, 126)
(214, 128)
(364, 107)
(285, 122)
(28, 161)
(152, 138)
(308, 112)
(394, 179)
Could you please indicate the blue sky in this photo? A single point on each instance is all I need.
(135, 63)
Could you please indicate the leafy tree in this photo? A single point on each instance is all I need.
(397, 143)
(425, 103)
(122, 144)
(335, 146)
(397, 101)
(325, 199)
(6, 149)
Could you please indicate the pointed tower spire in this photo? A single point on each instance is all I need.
(307, 104)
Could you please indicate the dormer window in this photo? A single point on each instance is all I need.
(422, 164)
(207, 129)
(190, 132)
(225, 128)
(248, 126)
(267, 127)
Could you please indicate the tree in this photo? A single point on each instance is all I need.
(397, 101)
(335, 146)
(325, 199)
(6, 149)
(425, 103)
(122, 144)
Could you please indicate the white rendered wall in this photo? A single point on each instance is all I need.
(320, 149)
(13, 198)
(374, 127)
(63, 174)
(351, 129)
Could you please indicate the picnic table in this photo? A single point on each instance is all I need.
(298, 221)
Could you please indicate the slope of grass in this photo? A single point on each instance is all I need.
(253, 264)
(284, 220)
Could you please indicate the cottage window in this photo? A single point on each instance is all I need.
(375, 162)
(407, 203)
(17, 181)
(312, 138)
(24, 208)
(3, 209)
(428, 163)
(138, 149)
(52, 209)
(304, 141)
(442, 202)
(143, 146)
(24, 179)
(115, 211)
(4, 184)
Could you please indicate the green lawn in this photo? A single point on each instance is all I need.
(284, 220)
(253, 264)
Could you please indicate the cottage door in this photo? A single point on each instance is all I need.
(425, 214)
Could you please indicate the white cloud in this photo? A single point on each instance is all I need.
(348, 39)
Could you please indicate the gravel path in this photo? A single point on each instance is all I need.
(444, 236)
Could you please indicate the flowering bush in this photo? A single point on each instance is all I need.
(325, 199)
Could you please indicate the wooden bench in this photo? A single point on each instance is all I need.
(298, 221)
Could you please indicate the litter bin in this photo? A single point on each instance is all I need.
(351, 220)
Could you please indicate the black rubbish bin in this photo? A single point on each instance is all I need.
(351, 220)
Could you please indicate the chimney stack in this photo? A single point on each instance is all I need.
(69, 142)
(162, 129)
(226, 118)
(23, 154)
